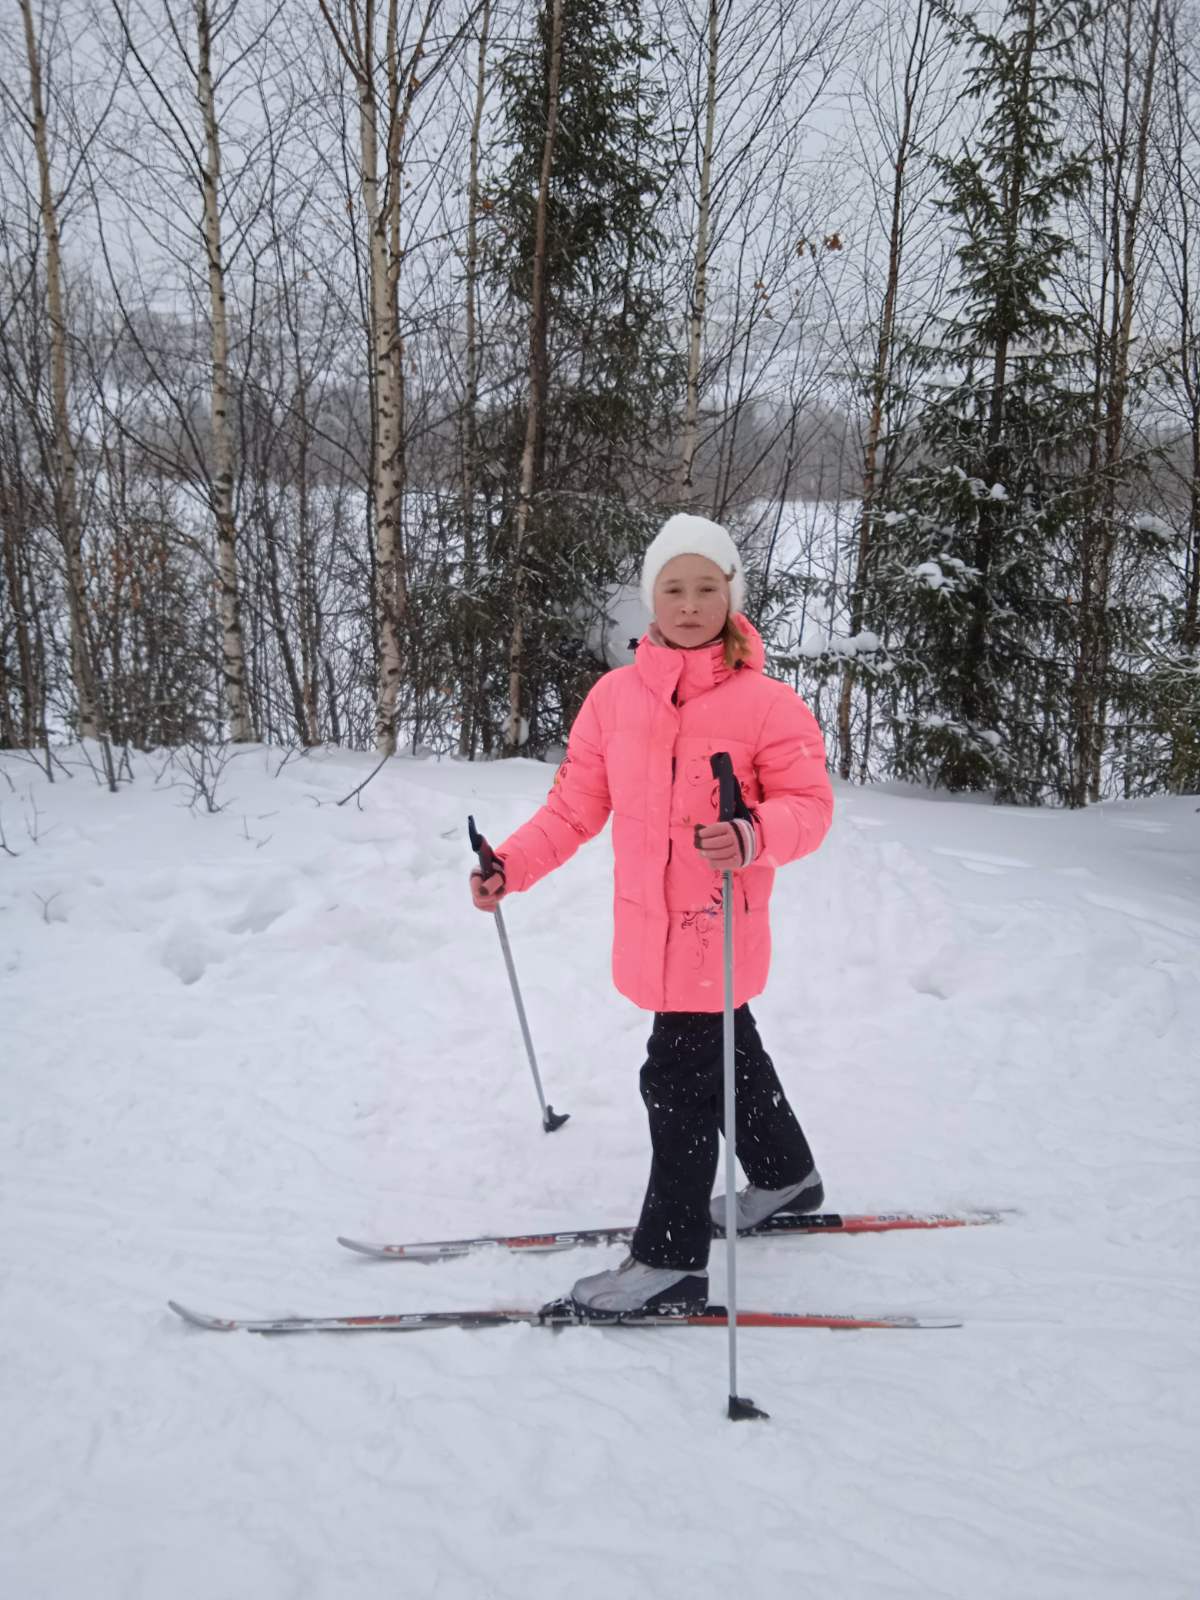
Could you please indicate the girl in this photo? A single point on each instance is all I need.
(639, 749)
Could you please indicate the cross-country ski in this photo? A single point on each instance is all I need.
(782, 1224)
(557, 1315)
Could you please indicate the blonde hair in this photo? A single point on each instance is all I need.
(737, 643)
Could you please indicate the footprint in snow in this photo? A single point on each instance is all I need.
(267, 903)
(188, 951)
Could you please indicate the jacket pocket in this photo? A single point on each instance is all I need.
(757, 880)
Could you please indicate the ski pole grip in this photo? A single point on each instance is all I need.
(729, 788)
(487, 859)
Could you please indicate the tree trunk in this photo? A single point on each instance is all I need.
(880, 377)
(232, 648)
(471, 690)
(1189, 633)
(11, 520)
(1119, 392)
(538, 378)
(383, 221)
(1099, 534)
(685, 488)
(977, 697)
(382, 211)
(66, 506)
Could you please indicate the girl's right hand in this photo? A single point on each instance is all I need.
(487, 893)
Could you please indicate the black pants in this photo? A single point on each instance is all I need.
(682, 1086)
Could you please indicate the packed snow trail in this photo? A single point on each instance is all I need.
(227, 1037)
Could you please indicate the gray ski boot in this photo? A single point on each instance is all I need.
(633, 1286)
(754, 1206)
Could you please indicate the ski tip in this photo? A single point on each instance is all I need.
(201, 1319)
(377, 1252)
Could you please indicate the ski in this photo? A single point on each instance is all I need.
(557, 1314)
(783, 1223)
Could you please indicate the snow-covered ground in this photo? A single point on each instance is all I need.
(227, 1038)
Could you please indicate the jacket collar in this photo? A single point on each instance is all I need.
(687, 673)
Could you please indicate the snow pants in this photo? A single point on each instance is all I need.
(682, 1087)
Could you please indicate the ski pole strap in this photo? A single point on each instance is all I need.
(748, 839)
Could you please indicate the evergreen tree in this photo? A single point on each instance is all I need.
(611, 375)
(974, 573)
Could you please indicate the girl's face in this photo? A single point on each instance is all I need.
(691, 601)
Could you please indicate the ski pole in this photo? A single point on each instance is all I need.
(551, 1119)
(741, 1409)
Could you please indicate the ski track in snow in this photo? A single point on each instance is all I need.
(228, 1038)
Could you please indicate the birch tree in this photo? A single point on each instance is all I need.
(233, 654)
(62, 468)
(384, 106)
(176, 84)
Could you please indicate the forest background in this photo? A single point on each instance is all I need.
(350, 352)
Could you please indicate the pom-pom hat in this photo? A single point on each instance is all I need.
(685, 535)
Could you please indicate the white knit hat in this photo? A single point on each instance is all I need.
(684, 535)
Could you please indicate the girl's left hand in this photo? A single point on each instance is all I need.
(721, 846)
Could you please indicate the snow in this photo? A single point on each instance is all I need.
(817, 643)
(932, 574)
(230, 1037)
(1145, 522)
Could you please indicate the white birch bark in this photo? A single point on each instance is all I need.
(381, 206)
(66, 502)
(383, 223)
(232, 650)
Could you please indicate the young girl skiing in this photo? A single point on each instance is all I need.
(639, 749)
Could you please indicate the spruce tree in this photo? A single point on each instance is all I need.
(612, 375)
(974, 571)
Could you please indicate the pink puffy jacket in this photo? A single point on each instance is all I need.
(640, 749)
